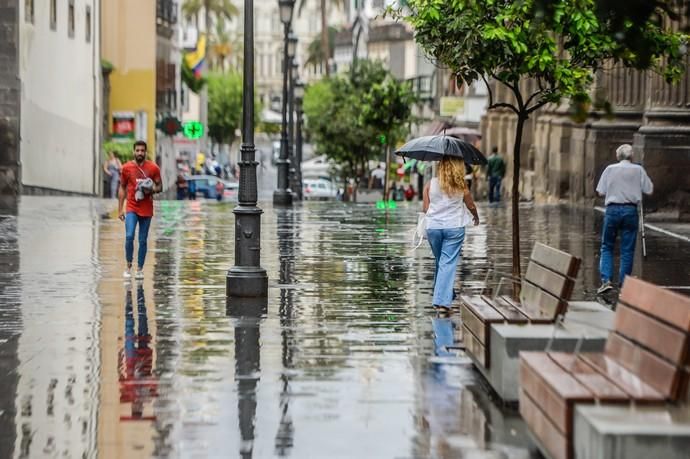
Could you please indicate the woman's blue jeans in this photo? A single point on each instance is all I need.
(623, 220)
(446, 245)
(131, 221)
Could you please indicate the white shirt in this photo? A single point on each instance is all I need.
(624, 183)
(445, 211)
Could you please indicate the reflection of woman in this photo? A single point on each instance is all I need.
(112, 169)
(448, 205)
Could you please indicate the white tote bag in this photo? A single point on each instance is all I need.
(420, 231)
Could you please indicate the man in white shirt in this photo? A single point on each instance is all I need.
(622, 184)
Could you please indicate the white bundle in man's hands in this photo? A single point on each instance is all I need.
(144, 187)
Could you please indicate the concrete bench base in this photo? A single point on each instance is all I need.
(623, 432)
(508, 340)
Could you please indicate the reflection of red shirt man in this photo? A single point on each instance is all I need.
(139, 180)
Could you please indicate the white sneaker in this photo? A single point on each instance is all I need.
(139, 274)
(127, 274)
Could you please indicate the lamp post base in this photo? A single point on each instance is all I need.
(282, 198)
(246, 282)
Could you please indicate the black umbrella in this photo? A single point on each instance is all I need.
(435, 147)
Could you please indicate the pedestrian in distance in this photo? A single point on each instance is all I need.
(449, 207)
(409, 193)
(220, 188)
(495, 172)
(622, 185)
(112, 170)
(141, 178)
(181, 186)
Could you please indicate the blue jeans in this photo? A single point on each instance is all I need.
(446, 244)
(623, 219)
(131, 220)
(495, 189)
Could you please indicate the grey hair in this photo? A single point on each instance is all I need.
(625, 151)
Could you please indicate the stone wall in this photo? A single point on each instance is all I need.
(9, 98)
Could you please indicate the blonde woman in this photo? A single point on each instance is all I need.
(448, 205)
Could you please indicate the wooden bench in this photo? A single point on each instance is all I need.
(544, 295)
(646, 361)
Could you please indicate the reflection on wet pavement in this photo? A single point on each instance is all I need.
(347, 360)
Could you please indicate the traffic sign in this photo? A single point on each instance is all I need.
(193, 130)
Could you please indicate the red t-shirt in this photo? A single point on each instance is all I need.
(131, 172)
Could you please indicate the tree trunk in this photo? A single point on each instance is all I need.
(515, 198)
(324, 37)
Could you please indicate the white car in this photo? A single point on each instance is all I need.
(318, 167)
(318, 189)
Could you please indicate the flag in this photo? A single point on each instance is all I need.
(195, 59)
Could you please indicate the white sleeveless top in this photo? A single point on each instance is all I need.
(445, 211)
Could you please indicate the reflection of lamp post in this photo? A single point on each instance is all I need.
(287, 234)
(247, 278)
(282, 196)
(299, 97)
(247, 326)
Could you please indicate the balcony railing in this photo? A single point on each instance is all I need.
(166, 13)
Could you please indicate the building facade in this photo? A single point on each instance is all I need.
(50, 96)
(141, 41)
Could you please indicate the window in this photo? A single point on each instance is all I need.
(70, 19)
(53, 14)
(29, 11)
(87, 24)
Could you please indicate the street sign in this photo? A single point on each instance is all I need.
(193, 130)
(452, 106)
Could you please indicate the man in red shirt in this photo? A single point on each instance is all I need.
(139, 180)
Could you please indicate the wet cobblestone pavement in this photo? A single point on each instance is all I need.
(349, 362)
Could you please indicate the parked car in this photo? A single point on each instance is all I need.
(318, 189)
(206, 186)
(318, 167)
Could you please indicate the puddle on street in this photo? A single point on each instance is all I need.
(348, 360)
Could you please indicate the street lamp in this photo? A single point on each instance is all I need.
(247, 279)
(299, 97)
(282, 195)
(294, 69)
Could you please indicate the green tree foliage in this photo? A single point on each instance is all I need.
(559, 45)
(325, 48)
(124, 151)
(315, 54)
(218, 8)
(346, 114)
(225, 107)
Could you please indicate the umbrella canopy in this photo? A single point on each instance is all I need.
(435, 147)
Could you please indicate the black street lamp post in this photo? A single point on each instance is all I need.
(283, 196)
(294, 69)
(247, 278)
(299, 97)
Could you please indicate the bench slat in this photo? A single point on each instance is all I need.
(554, 387)
(554, 283)
(673, 308)
(602, 388)
(478, 328)
(539, 304)
(480, 309)
(506, 309)
(555, 260)
(653, 370)
(474, 347)
(622, 377)
(557, 444)
(656, 336)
